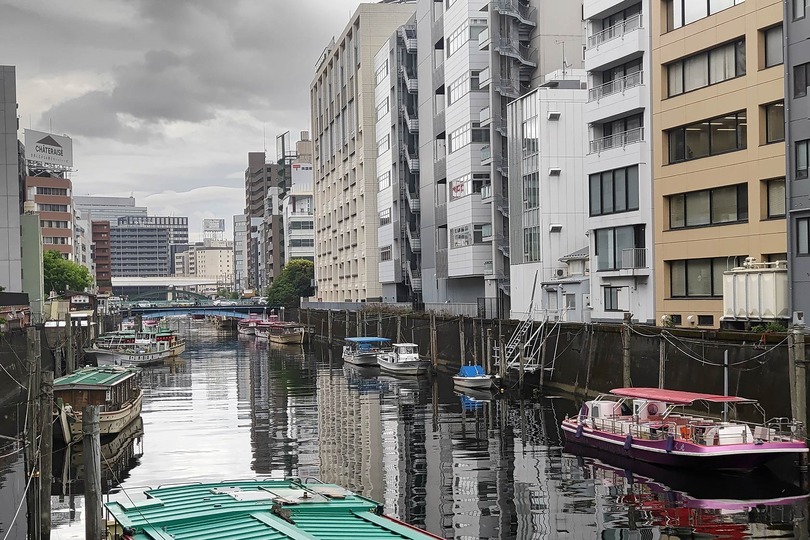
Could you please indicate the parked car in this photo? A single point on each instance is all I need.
(224, 302)
(144, 304)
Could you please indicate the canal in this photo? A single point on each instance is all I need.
(459, 467)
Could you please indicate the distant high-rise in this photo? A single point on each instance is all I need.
(52, 194)
(140, 246)
(10, 247)
(107, 208)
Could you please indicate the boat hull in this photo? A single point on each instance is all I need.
(112, 357)
(293, 338)
(110, 422)
(408, 367)
(246, 330)
(683, 454)
(360, 359)
(482, 382)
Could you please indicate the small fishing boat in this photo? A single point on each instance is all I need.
(363, 351)
(116, 389)
(258, 508)
(136, 348)
(475, 377)
(654, 432)
(403, 360)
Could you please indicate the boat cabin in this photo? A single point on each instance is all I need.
(367, 345)
(111, 387)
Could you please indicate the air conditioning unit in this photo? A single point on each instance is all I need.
(554, 115)
(554, 171)
(555, 227)
(559, 273)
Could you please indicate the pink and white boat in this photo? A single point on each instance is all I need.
(650, 424)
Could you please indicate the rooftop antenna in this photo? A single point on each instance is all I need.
(565, 65)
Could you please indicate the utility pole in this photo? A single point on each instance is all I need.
(46, 467)
(626, 379)
(91, 446)
(32, 448)
(70, 359)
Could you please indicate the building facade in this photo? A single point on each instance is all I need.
(264, 186)
(345, 150)
(547, 147)
(140, 246)
(101, 255)
(240, 252)
(10, 203)
(298, 213)
(53, 198)
(97, 208)
(797, 150)
(719, 123)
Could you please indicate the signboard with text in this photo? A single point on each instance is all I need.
(48, 148)
(214, 225)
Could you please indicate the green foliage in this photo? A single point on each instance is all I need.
(62, 275)
(222, 292)
(772, 326)
(2, 288)
(294, 282)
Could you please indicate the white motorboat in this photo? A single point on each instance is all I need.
(475, 377)
(363, 351)
(403, 360)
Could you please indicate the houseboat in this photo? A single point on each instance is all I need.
(363, 351)
(116, 389)
(403, 360)
(136, 348)
(656, 428)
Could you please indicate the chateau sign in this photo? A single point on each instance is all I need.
(48, 149)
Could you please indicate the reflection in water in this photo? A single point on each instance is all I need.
(463, 467)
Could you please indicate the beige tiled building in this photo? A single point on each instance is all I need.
(345, 149)
(718, 148)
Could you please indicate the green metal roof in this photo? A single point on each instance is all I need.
(105, 376)
(260, 509)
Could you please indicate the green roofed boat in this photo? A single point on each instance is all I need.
(256, 509)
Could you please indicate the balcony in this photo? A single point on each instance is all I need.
(486, 192)
(488, 268)
(410, 120)
(506, 87)
(413, 201)
(484, 39)
(440, 214)
(484, 116)
(415, 277)
(486, 154)
(502, 242)
(486, 232)
(633, 258)
(412, 160)
(616, 86)
(414, 240)
(484, 77)
(408, 35)
(441, 263)
(614, 32)
(438, 75)
(615, 43)
(513, 8)
(438, 123)
(411, 84)
(512, 48)
(617, 140)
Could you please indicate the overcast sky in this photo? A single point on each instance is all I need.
(165, 98)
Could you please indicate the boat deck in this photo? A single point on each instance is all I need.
(258, 509)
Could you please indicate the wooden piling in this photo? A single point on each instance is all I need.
(488, 352)
(46, 467)
(626, 379)
(522, 361)
(70, 358)
(379, 324)
(662, 358)
(360, 327)
(798, 372)
(434, 345)
(329, 327)
(32, 448)
(91, 448)
(501, 355)
(475, 343)
(399, 328)
(461, 344)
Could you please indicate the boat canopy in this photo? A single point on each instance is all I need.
(368, 340)
(471, 371)
(676, 397)
(95, 377)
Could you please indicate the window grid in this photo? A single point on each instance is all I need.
(615, 191)
(384, 180)
(706, 68)
(774, 48)
(385, 253)
(801, 79)
(700, 278)
(776, 197)
(683, 12)
(612, 298)
(383, 145)
(708, 137)
(385, 217)
(382, 72)
(802, 154)
(719, 206)
(803, 236)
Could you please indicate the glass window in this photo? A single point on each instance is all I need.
(460, 236)
(382, 109)
(681, 12)
(773, 46)
(696, 72)
(800, 8)
(699, 277)
(384, 180)
(802, 153)
(675, 78)
(776, 197)
(385, 217)
(803, 236)
(611, 242)
(677, 211)
(383, 145)
(709, 207)
(775, 122)
(801, 79)
(614, 191)
(612, 298)
(709, 137)
(382, 72)
(458, 37)
(385, 253)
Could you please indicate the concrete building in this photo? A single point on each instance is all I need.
(210, 259)
(101, 255)
(264, 185)
(797, 147)
(10, 203)
(298, 214)
(240, 252)
(52, 195)
(140, 245)
(82, 241)
(345, 150)
(547, 146)
(719, 130)
(398, 205)
(524, 42)
(107, 208)
(618, 165)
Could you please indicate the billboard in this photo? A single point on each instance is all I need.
(48, 149)
(217, 225)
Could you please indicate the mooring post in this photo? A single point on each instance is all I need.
(501, 356)
(91, 447)
(399, 327)
(522, 360)
(361, 327)
(626, 379)
(434, 345)
(542, 354)
(379, 324)
(475, 343)
(309, 328)
(461, 344)
(799, 410)
(46, 467)
(329, 327)
(662, 358)
(70, 358)
(488, 352)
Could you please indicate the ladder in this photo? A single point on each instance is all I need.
(512, 349)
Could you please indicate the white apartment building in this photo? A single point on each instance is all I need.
(240, 252)
(298, 211)
(345, 149)
(618, 165)
(211, 258)
(547, 146)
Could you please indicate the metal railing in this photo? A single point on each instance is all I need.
(616, 31)
(617, 140)
(486, 191)
(408, 35)
(413, 239)
(411, 83)
(486, 153)
(483, 36)
(514, 8)
(512, 47)
(413, 201)
(616, 86)
(413, 161)
(411, 121)
(634, 258)
(453, 308)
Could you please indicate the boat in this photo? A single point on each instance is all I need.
(260, 508)
(136, 348)
(247, 327)
(403, 360)
(282, 332)
(475, 377)
(654, 432)
(117, 389)
(363, 351)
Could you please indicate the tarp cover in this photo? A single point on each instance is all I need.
(676, 397)
(471, 371)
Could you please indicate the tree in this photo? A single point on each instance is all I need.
(61, 274)
(294, 282)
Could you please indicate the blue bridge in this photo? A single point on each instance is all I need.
(231, 312)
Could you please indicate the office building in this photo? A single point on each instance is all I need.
(719, 166)
(797, 147)
(298, 215)
(264, 184)
(240, 252)
(10, 203)
(52, 194)
(101, 255)
(82, 241)
(548, 141)
(107, 208)
(345, 150)
(140, 245)
(398, 205)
